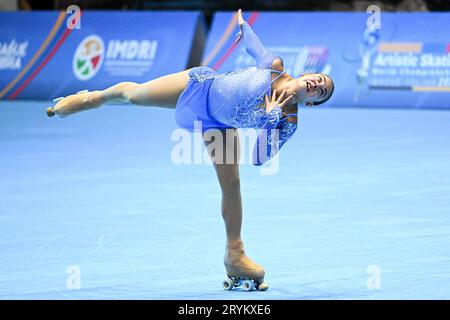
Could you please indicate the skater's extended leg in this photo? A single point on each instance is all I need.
(161, 92)
(236, 261)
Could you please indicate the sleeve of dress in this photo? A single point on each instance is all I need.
(255, 48)
(271, 139)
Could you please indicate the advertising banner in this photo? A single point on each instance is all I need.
(44, 55)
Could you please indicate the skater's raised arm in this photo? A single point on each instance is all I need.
(253, 45)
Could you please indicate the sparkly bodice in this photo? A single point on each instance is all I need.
(237, 98)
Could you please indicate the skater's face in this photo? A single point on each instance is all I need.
(314, 88)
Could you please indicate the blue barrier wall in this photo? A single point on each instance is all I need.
(406, 63)
(40, 57)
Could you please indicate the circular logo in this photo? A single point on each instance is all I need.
(88, 57)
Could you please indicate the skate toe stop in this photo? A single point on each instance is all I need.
(263, 286)
(50, 112)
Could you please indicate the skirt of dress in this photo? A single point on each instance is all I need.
(192, 105)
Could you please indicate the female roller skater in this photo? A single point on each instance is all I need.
(265, 97)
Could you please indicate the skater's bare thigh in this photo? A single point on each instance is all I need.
(226, 160)
(160, 92)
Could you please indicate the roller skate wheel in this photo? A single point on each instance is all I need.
(58, 99)
(262, 286)
(228, 284)
(248, 285)
(82, 91)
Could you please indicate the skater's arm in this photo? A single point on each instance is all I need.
(271, 140)
(253, 45)
(276, 130)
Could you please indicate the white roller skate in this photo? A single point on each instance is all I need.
(242, 271)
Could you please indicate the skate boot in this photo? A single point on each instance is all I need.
(65, 106)
(242, 271)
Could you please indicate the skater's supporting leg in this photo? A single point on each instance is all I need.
(161, 92)
(236, 261)
(228, 175)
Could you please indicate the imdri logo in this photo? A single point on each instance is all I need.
(88, 57)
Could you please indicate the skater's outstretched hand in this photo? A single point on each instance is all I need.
(280, 101)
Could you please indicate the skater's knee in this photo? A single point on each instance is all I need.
(231, 184)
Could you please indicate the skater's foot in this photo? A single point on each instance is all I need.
(238, 264)
(83, 100)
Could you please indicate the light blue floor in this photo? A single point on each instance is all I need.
(356, 188)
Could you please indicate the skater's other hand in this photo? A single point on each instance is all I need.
(280, 101)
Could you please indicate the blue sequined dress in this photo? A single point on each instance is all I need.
(236, 100)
